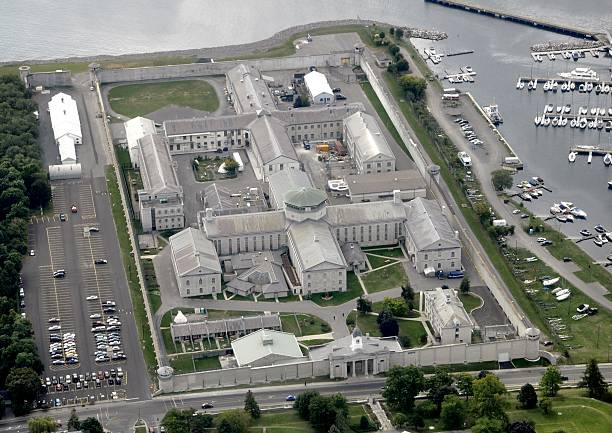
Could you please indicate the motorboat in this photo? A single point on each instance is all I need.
(555, 210)
(557, 290)
(564, 296)
(571, 157)
(550, 282)
(537, 120)
(525, 196)
(533, 194)
(567, 108)
(580, 73)
(567, 204)
(610, 184)
(562, 292)
(607, 159)
(548, 108)
(561, 218)
(569, 217)
(598, 242)
(578, 213)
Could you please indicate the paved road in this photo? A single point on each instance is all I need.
(119, 416)
(65, 245)
(487, 159)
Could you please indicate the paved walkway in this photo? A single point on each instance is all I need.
(379, 412)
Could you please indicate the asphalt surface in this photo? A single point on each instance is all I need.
(70, 246)
(120, 416)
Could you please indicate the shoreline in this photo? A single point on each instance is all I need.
(250, 48)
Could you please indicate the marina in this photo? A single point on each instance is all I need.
(466, 75)
(573, 54)
(434, 57)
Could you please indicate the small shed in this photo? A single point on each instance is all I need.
(65, 171)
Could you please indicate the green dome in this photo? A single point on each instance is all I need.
(305, 197)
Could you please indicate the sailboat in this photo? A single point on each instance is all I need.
(607, 160)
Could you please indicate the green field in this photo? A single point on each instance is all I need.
(410, 328)
(314, 342)
(377, 262)
(188, 363)
(226, 314)
(133, 100)
(169, 315)
(303, 324)
(385, 278)
(338, 298)
(378, 306)
(470, 301)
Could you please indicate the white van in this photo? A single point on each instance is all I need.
(465, 159)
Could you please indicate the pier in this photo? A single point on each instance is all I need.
(522, 19)
(595, 150)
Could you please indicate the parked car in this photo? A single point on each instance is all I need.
(290, 398)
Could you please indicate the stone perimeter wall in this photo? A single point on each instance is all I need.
(428, 356)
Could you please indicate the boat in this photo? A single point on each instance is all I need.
(579, 316)
(533, 194)
(580, 73)
(564, 296)
(562, 292)
(567, 204)
(578, 213)
(598, 242)
(610, 184)
(537, 120)
(569, 217)
(550, 282)
(525, 196)
(571, 157)
(607, 159)
(555, 210)
(492, 112)
(548, 108)
(561, 218)
(556, 290)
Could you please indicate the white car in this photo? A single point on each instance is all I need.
(95, 316)
(540, 240)
(582, 308)
(32, 252)
(91, 298)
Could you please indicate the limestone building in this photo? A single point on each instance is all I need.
(135, 129)
(367, 145)
(266, 347)
(449, 320)
(196, 264)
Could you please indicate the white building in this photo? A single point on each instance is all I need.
(431, 242)
(247, 89)
(380, 186)
(266, 347)
(135, 129)
(318, 88)
(64, 171)
(367, 144)
(160, 201)
(196, 264)
(449, 320)
(66, 126)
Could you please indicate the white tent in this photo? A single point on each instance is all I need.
(65, 118)
(67, 150)
(318, 87)
(180, 318)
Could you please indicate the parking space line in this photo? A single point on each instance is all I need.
(86, 202)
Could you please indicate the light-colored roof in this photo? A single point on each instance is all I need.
(265, 276)
(179, 318)
(317, 83)
(385, 182)
(64, 116)
(135, 129)
(448, 307)
(428, 226)
(342, 347)
(156, 165)
(249, 89)
(304, 197)
(368, 138)
(271, 139)
(193, 254)
(253, 223)
(244, 324)
(360, 213)
(318, 114)
(315, 245)
(67, 151)
(263, 343)
(208, 124)
(285, 180)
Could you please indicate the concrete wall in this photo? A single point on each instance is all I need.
(207, 69)
(427, 356)
(49, 79)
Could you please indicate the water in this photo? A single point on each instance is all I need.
(42, 29)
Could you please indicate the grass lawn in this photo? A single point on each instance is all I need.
(394, 252)
(280, 421)
(206, 169)
(129, 264)
(383, 279)
(377, 262)
(353, 291)
(304, 324)
(140, 429)
(470, 301)
(169, 342)
(572, 413)
(378, 306)
(185, 363)
(382, 113)
(413, 329)
(226, 314)
(314, 342)
(139, 99)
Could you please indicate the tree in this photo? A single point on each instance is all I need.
(42, 424)
(200, 423)
(250, 405)
(391, 31)
(302, 403)
(364, 305)
(502, 179)
(438, 386)
(393, 49)
(399, 33)
(403, 66)
(521, 427)
(408, 295)
(464, 383)
(527, 397)
(381, 35)
(177, 421)
(488, 425)
(364, 423)
(452, 414)
(593, 381)
(73, 422)
(326, 411)
(488, 399)
(91, 425)
(389, 327)
(464, 287)
(233, 421)
(551, 381)
(414, 87)
(397, 306)
(231, 165)
(403, 384)
(546, 405)
(415, 419)
(24, 386)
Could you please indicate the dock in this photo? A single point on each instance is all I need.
(577, 32)
(594, 150)
(561, 80)
(538, 56)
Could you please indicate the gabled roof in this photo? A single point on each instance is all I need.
(252, 223)
(208, 124)
(271, 139)
(135, 129)
(448, 307)
(342, 347)
(249, 89)
(193, 254)
(428, 226)
(66, 149)
(318, 114)
(368, 138)
(263, 343)
(360, 213)
(315, 246)
(285, 180)
(155, 164)
(317, 83)
(64, 116)
(404, 180)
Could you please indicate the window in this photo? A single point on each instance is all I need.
(200, 282)
(439, 265)
(214, 280)
(426, 256)
(452, 254)
(188, 291)
(187, 283)
(452, 264)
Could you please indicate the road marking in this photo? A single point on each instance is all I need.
(86, 202)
